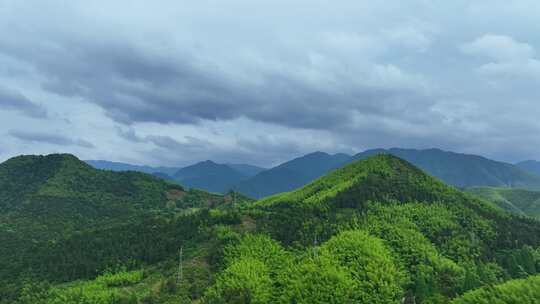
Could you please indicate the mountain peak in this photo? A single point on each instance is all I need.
(358, 182)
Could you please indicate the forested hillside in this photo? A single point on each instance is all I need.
(378, 230)
(46, 199)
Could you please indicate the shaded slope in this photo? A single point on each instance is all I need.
(292, 174)
(518, 201)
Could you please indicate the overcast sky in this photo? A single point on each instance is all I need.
(174, 82)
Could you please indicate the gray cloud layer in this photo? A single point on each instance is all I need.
(340, 76)
(13, 100)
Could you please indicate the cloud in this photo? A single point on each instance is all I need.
(203, 80)
(14, 101)
(136, 81)
(49, 138)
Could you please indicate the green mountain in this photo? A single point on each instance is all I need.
(44, 199)
(518, 201)
(59, 193)
(292, 174)
(377, 230)
(531, 166)
(463, 170)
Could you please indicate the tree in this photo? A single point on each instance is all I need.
(245, 281)
(371, 265)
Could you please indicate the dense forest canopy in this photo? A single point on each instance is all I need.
(378, 230)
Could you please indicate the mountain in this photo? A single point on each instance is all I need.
(209, 176)
(292, 174)
(460, 170)
(386, 208)
(377, 230)
(518, 201)
(463, 170)
(118, 166)
(206, 175)
(247, 170)
(48, 202)
(531, 166)
(57, 194)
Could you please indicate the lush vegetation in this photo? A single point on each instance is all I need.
(375, 231)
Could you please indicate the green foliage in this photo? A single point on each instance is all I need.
(259, 247)
(122, 278)
(317, 280)
(372, 267)
(99, 291)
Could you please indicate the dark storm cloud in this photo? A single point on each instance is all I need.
(134, 84)
(49, 138)
(15, 101)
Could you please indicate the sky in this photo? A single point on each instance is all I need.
(242, 81)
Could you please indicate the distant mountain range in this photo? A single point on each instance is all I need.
(292, 174)
(457, 169)
(118, 167)
(209, 176)
(206, 175)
